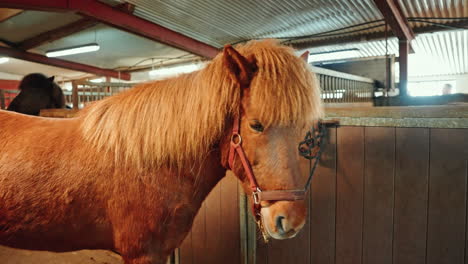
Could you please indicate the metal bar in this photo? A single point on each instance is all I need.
(75, 97)
(395, 17)
(338, 74)
(403, 59)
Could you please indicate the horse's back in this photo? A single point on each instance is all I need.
(42, 197)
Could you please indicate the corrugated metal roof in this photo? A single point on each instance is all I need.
(226, 21)
(445, 52)
(434, 8)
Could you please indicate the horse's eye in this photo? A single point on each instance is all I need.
(257, 126)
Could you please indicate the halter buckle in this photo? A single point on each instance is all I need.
(236, 139)
(255, 195)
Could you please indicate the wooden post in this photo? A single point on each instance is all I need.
(2, 99)
(75, 97)
(404, 50)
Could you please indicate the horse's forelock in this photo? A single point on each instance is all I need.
(284, 90)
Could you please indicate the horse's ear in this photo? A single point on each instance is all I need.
(305, 56)
(242, 69)
(51, 79)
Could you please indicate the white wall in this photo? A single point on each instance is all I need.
(9, 76)
(461, 80)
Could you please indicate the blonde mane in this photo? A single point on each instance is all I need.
(178, 120)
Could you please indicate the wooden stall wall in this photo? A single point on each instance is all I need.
(380, 195)
(215, 235)
(384, 195)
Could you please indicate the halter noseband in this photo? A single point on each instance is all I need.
(312, 140)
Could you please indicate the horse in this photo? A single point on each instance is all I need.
(130, 172)
(37, 92)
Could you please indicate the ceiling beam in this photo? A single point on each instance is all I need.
(119, 19)
(41, 5)
(58, 33)
(23, 55)
(394, 16)
(66, 30)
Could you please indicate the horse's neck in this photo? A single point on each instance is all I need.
(205, 175)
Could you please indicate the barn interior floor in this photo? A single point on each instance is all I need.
(18, 256)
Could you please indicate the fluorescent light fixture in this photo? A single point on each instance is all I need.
(4, 59)
(98, 80)
(73, 50)
(169, 71)
(334, 55)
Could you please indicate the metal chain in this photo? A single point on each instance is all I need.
(312, 147)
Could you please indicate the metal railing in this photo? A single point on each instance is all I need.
(339, 87)
(6, 96)
(81, 94)
(84, 93)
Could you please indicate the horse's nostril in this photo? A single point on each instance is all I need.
(279, 224)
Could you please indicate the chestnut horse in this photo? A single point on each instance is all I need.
(37, 92)
(131, 171)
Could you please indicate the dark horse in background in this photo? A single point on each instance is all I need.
(37, 92)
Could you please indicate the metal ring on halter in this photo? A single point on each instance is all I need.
(255, 196)
(233, 138)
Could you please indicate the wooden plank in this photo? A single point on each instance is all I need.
(213, 226)
(263, 248)
(229, 221)
(199, 237)
(323, 205)
(411, 195)
(378, 195)
(447, 196)
(185, 250)
(349, 199)
(294, 250)
(215, 237)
